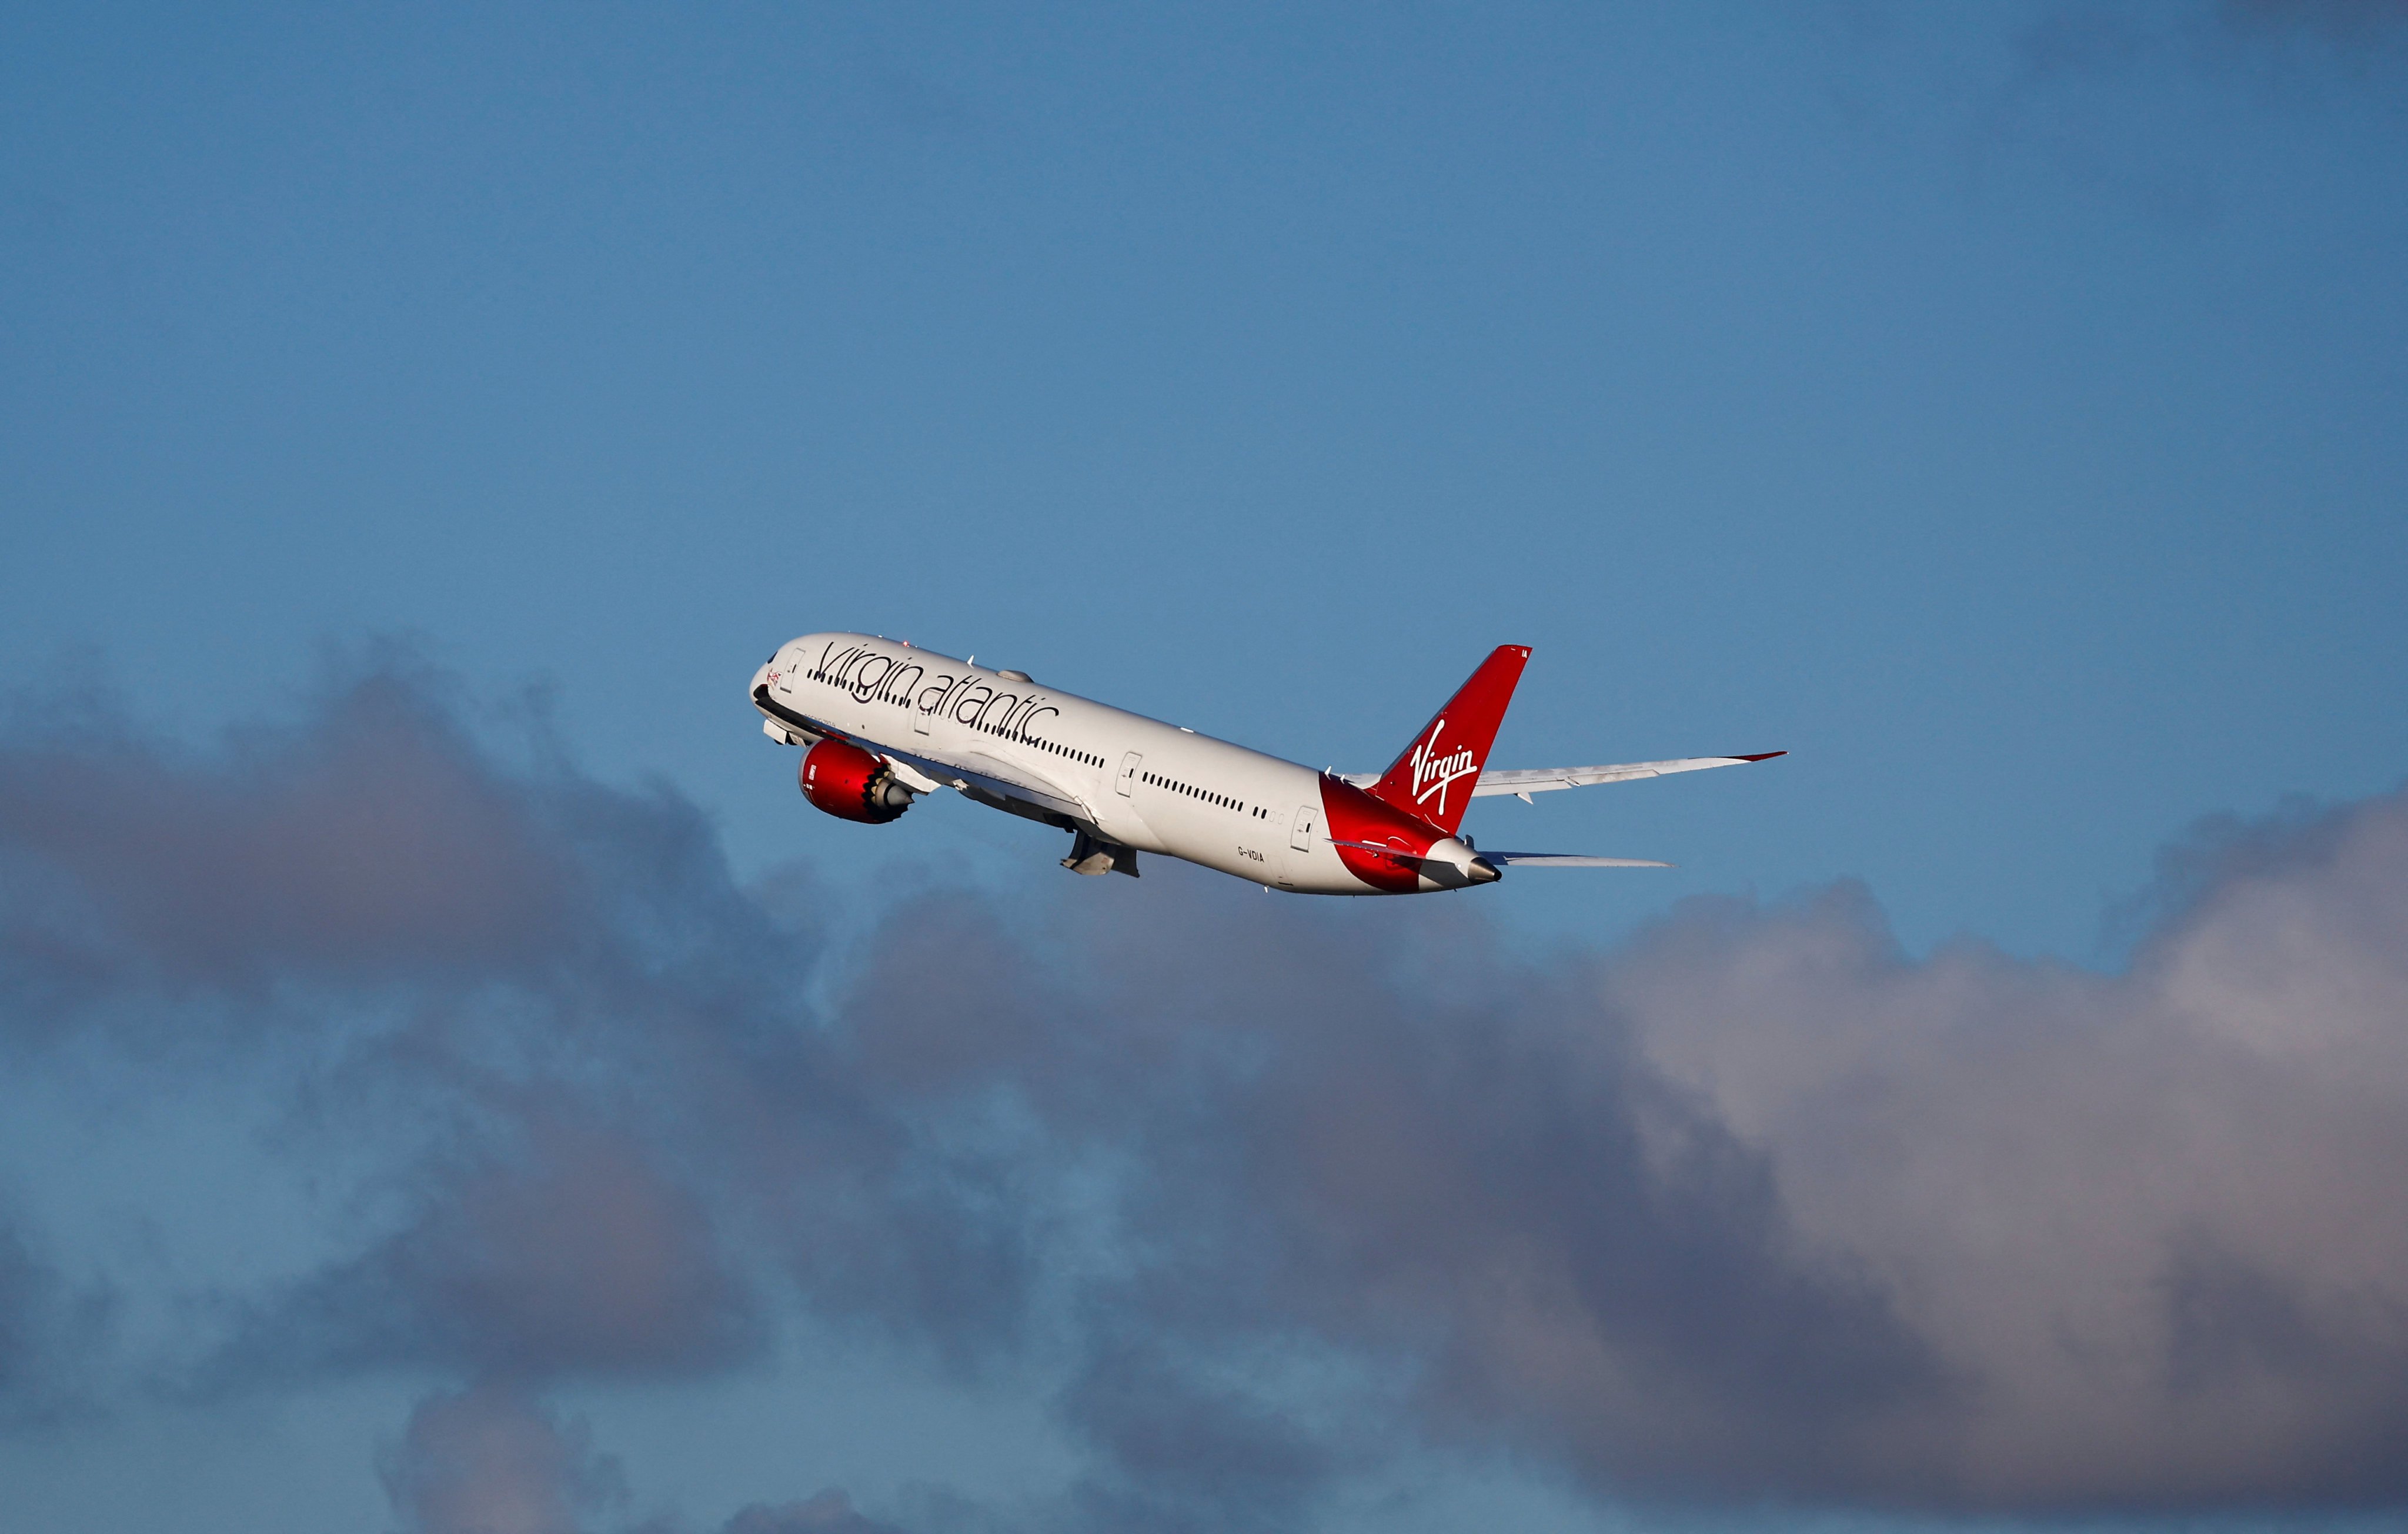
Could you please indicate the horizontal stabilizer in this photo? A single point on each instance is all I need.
(1559, 860)
(1524, 782)
(1380, 847)
(1568, 860)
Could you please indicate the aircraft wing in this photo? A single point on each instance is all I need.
(1004, 785)
(1014, 781)
(1523, 782)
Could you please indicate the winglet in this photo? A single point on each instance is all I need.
(1761, 756)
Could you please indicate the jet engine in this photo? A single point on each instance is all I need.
(850, 784)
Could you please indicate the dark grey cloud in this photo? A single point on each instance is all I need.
(48, 1329)
(567, 1253)
(535, 1011)
(373, 841)
(1185, 1449)
(1455, 1161)
(1754, 1208)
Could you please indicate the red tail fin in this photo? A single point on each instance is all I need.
(1432, 781)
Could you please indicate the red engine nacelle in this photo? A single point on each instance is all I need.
(850, 784)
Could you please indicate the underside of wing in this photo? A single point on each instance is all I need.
(1003, 785)
(1523, 782)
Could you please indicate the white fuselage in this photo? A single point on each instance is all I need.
(1134, 781)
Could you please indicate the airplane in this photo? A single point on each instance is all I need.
(883, 723)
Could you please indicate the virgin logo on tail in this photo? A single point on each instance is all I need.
(1417, 781)
(1432, 772)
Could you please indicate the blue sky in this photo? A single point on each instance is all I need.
(2003, 410)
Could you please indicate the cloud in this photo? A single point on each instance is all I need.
(829, 1513)
(551, 1061)
(496, 1459)
(492, 1460)
(1754, 1208)
(567, 1253)
(1759, 1206)
(373, 841)
(1185, 1449)
(1467, 1179)
(47, 1330)
(2151, 1216)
